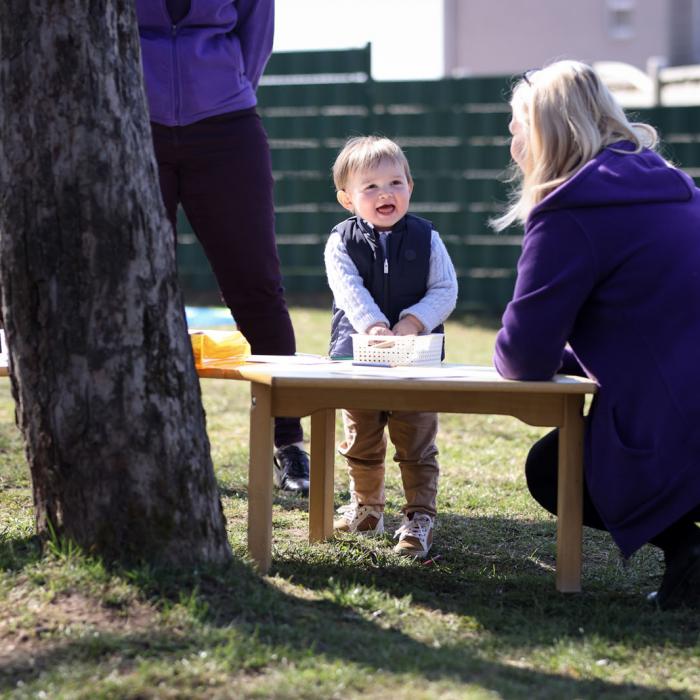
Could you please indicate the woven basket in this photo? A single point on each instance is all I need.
(398, 350)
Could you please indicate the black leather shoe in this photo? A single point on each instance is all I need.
(291, 470)
(681, 582)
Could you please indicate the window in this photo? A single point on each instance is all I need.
(620, 18)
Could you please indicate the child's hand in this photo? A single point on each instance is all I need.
(408, 325)
(379, 329)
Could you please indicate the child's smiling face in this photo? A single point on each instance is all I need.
(379, 195)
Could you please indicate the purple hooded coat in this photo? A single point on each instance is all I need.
(611, 265)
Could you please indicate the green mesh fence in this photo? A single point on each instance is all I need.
(455, 135)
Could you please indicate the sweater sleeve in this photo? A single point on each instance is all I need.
(556, 273)
(255, 30)
(441, 296)
(349, 291)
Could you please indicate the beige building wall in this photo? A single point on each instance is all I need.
(497, 37)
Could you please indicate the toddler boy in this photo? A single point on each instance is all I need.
(390, 274)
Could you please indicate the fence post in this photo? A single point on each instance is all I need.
(654, 66)
(370, 97)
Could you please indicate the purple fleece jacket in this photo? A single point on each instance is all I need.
(611, 265)
(209, 63)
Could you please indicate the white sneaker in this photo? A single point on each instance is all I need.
(415, 535)
(363, 520)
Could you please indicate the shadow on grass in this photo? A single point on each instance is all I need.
(19, 552)
(248, 622)
(283, 499)
(501, 573)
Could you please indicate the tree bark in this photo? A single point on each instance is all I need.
(107, 396)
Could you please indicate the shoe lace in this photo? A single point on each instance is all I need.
(348, 511)
(418, 527)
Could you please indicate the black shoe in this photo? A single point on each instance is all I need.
(681, 582)
(291, 470)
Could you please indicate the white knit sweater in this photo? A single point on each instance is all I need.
(360, 308)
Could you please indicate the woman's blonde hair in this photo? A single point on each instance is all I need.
(364, 153)
(568, 116)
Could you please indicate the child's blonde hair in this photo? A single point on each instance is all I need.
(568, 116)
(364, 153)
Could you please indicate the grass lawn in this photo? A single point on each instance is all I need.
(346, 618)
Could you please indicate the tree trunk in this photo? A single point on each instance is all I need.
(107, 396)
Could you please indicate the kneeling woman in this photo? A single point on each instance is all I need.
(608, 287)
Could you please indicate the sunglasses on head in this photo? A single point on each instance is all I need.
(528, 74)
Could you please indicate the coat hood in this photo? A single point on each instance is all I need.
(618, 176)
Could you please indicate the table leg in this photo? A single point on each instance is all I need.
(570, 497)
(322, 472)
(260, 477)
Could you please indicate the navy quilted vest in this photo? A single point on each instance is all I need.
(396, 280)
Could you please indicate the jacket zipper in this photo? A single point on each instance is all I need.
(386, 279)
(176, 76)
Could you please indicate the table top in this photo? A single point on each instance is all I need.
(292, 373)
(310, 371)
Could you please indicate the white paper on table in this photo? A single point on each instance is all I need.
(434, 372)
(299, 359)
(416, 371)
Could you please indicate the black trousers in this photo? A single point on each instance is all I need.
(220, 170)
(541, 471)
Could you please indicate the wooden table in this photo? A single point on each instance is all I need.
(318, 390)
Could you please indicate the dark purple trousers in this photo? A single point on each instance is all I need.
(219, 169)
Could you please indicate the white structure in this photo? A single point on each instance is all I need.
(498, 37)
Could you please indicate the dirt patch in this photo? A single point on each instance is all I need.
(33, 623)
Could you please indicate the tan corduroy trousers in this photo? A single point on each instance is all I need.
(413, 437)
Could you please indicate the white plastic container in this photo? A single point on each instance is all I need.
(398, 350)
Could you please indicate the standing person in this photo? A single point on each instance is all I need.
(390, 274)
(202, 60)
(608, 287)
